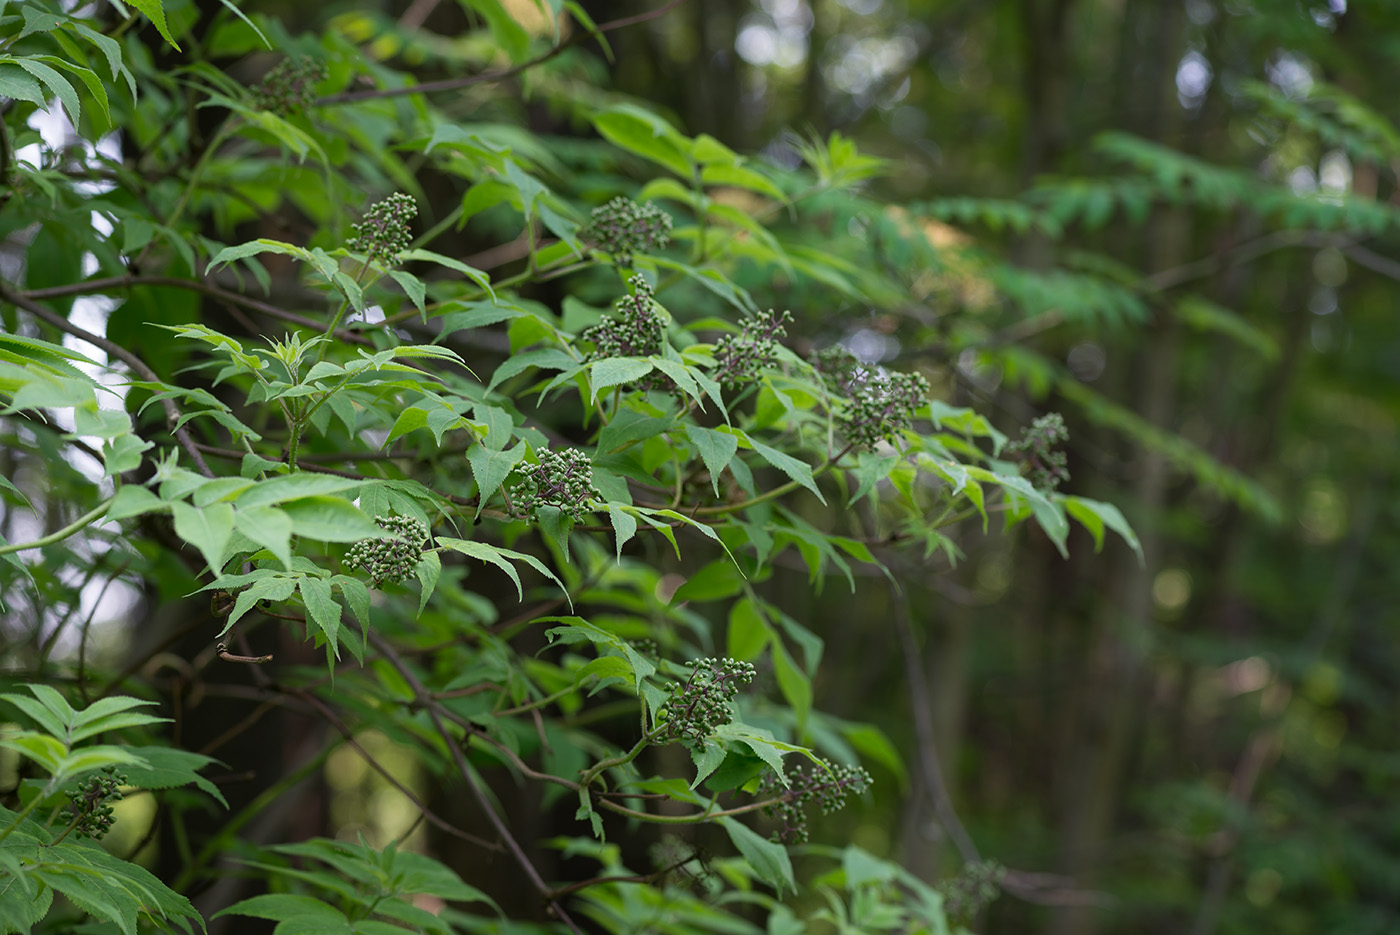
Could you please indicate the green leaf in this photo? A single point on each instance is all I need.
(550, 358)
(870, 470)
(873, 744)
(18, 84)
(253, 248)
(490, 469)
(208, 529)
(321, 609)
(624, 526)
(707, 757)
(799, 471)
(647, 135)
(768, 859)
(613, 371)
(48, 752)
(1094, 515)
(748, 632)
(42, 710)
(37, 20)
(794, 684)
(270, 528)
(740, 177)
(155, 11)
(412, 287)
(169, 767)
(57, 85)
(330, 519)
(281, 907)
(717, 580)
(471, 272)
(486, 553)
(113, 713)
(716, 449)
(427, 571)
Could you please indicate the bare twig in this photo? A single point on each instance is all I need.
(227, 656)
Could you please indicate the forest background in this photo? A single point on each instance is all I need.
(1173, 223)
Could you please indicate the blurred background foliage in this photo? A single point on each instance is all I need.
(1172, 221)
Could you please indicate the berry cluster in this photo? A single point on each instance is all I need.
(883, 405)
(1035, 449)
(290, 86)
(968, 893)
(622, 227)
(384, 233)
(741, 356)
(392, 557)
(700, 704)
(827, 785)
(562, 479)
(89, 809)
(636, 330)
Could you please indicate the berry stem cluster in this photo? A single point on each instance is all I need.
(89, 810)
(392, 557)
(562, 479)
(701, 703)
(827, 785)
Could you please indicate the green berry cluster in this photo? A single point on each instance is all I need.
(826, 785)
(741, 356)
(883, 405)
(290, 86)
(637, 329)
(701, 703)
(384, 232)
(89, 809)
(1036, 450)
(392, 557)
(622, 227)
(968, 893)
(562, 479)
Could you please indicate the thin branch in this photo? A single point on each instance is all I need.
(226, 656)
